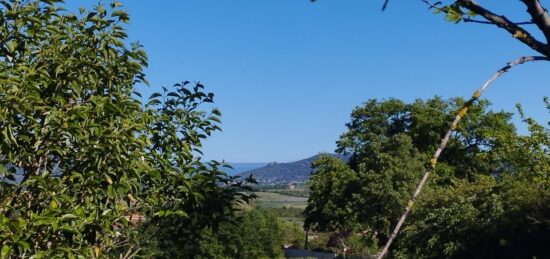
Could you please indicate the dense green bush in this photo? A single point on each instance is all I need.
(256, 234)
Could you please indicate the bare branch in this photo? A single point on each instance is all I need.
(465, 19)
(460, 114)
(503, 22)
(539, 16)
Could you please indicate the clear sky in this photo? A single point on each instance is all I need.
(287, 73)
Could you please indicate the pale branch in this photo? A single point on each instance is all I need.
(503, 22)
(433, 161)
(130, 254)
(539, 16)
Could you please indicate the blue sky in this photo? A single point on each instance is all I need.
(287, 73)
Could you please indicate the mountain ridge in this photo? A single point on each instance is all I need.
(275, 173)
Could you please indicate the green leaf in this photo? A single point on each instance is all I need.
(69, 216)
(122, 16)
(173, 94)
(5, 252)
(106, 212)
(108, 179)
(68, 229)
(23, 246)
(155, 95)
(90, 15)
(11, 46)
(153, 102)
(54, 204)
(115, 4)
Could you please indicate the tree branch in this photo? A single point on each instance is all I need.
(385, 5)
(460, 114)
(465, 19)
(501, 21)
(539, 17)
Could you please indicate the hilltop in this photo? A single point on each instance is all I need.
(284, 173)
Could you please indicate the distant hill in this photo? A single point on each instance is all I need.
(242, 167)
(283, 173)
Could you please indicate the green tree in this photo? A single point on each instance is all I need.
(330, 204)
(80, 155)
(505, 214)
(424, 122)
(468, 11)
(387, 142)
(71, 129)
(256, 234)
(331, 187)
(184, 196)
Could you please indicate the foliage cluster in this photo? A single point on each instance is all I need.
(81, 155)
(287, 212)
(257, 233)
(488, 194)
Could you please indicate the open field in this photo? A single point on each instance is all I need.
(288, 208)
(276, 200)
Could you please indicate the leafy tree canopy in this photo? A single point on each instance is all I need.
(471, 191)
(81, 155)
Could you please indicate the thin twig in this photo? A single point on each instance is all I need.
(385, 5)
(466, 19)
(460, 114)
(129, 254)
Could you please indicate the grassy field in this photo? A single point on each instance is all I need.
(277, 200)
(288, 208)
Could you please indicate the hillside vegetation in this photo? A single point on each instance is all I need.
(274, 174)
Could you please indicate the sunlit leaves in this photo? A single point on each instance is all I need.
(80, 155)
(489, 193)
(69, 126)
(453, 13)
(332, 186)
